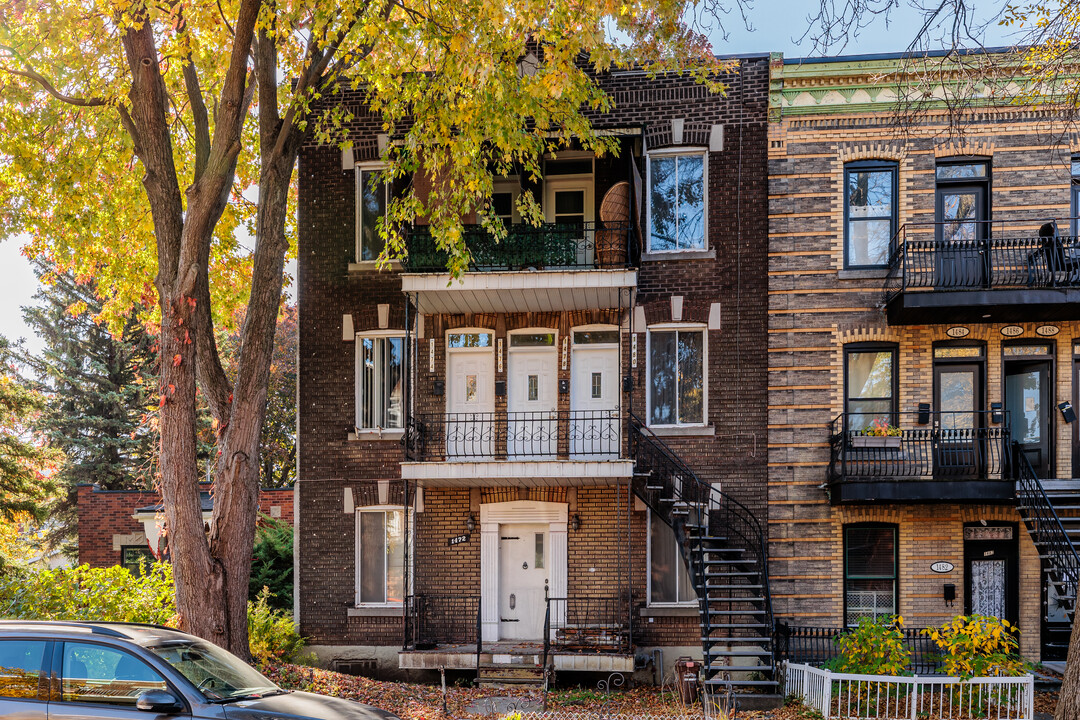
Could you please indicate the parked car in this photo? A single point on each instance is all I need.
(124, 671)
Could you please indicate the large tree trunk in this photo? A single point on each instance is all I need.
(1068, 707)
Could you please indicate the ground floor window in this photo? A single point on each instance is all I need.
(380, 556)
(135, 558)
(869, 572)
(669, 581)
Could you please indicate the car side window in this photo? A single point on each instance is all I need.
(105, 676)
(20, 668)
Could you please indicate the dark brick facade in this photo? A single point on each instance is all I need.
(604, 555)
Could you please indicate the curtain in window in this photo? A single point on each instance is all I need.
(381, 390)
(869, 387)
(870, 572)
(382, 556)
(988, 588)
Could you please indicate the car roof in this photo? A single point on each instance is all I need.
(139, 633)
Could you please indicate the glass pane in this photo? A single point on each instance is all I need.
(373, 552)
(870, 599)
(691, 215)
(393, 392)
(870, 374)
(597, 385)
(101, 675)
(662, 381)
(1023, 399)
(957, 352)
(957, 399)
(502, 203)
(868, 242)
(1014, 350)
(960, 172)
(1075, 168)
(569, 202)
(870, 194)
(368, 383)
(20, 666)
(372, 207)
(534, 387)
(538, 551)
(533, 340)
(470, 388)
(691, 380)
(395, 556)
(863, 413)
(663, 552)
(871, 552)
(958, 212)
(136, 558)
(662, 204)
(988, 587)
(468, 340)
(596, 336)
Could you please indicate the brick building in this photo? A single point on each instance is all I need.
(923, 279)
(122, 527)
(526, 462)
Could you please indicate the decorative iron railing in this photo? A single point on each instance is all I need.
(970, 255)
(550, 246)
(576, 434)
(587, 624)
(924, 446)
(1060, 560)
(817, 645)
(442, 620)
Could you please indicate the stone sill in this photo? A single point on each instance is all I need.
(689, 431)
(376, 435)
(372, 266)
(375, 611)
(670, 611)
(679, 255)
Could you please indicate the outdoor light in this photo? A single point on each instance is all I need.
(575, 522)
(470, 524)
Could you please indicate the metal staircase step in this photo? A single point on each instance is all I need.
(741, 683)
(736, 612)
(744, 652)
(732, 626)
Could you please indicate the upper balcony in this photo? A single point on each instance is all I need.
(926, 457)
(970, 271)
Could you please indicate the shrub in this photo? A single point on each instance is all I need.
(272, 636)
(978, 646)
(86, 593)
(272, 563)
(873, 647)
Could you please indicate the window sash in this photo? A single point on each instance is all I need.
(372, 197)
(381, 547)
(678, 201)
(869, 227)
(870, 579)
(868, 395)
(380, 377)
(676, 373)
(669, 580)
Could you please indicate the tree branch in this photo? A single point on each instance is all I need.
(31, 74)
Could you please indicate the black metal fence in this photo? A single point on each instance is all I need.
(550, 246)
(442, 620)
(818, 645)
(587, 624)
(929, 445)
(583, 434)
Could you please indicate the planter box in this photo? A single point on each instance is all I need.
(876, 441)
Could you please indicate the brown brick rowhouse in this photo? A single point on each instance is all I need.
(922, 333)
(485, 429)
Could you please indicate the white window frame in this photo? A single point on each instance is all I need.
(692, 602)
(668, 152)
(358, 373)
(359, 169)
(410, 526)
(681, 327)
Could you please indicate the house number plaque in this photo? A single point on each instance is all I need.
(942, 567)
(958, 331)
(1012, 330)
(1047, 330)
(457, 540)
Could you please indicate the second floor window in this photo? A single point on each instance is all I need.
(372, 195)
(870, 213)
(676, 376)
(379, 382)
(677, 200)
(870, 379)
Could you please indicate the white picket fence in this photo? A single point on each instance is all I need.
(843, 696)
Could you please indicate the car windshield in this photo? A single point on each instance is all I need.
(218, 674)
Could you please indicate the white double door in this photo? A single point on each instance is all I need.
(523, 578)
(470, 404)
(594, 402)
(532, 421)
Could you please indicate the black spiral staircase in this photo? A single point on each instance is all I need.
(1055, 544)
(724, 548)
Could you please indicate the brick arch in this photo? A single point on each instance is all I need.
(871, 151)
(965, 148)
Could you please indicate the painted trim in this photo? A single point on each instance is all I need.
(687, 327)
(669, 152)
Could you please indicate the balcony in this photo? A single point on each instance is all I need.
(581, 447)
(982, 272)
(940, 456)
(550, 267)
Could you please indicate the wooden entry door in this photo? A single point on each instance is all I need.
(1027, 400)
(523, 576)
(961, 261)
(958, 398)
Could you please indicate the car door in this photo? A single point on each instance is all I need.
(24, 687)
(102, 682)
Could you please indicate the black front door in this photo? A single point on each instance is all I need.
(961, 232)
(992, 571)
(1027, 400)
(958, 396)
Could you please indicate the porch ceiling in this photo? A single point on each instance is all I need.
(553, 473)
(513, 292)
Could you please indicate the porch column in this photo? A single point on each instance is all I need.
(489, 580)
(557, 539)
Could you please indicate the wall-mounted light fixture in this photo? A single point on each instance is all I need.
(575, 522)
(470, 524)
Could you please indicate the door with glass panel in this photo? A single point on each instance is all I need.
(531, 421)
(568, 205)
(1027, 401)
(960, 447)
(594, 394)
(962, 227)
(470, 397)
(991, 577)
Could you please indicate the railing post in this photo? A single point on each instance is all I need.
(912, 703)
(479, 631)
(826, 696)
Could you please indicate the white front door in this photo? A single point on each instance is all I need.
(532, 423)
(594, 401)
(470, 404)
(523, 575)
(570, 202)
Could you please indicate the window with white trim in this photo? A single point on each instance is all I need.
(380, 556)
(372, 197)
(669, 580)
(677, 200)
(379, 379)
(677, 390)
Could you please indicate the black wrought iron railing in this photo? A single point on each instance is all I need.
(818, 645)
(970, 255)
(577, 434)
(433, 621)
(920, 446)
(1060, 560)
(586, 624)
(550, 246)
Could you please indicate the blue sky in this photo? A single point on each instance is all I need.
(776, 27)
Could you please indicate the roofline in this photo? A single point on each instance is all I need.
(905, 55)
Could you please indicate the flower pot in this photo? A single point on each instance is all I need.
(876, 441)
